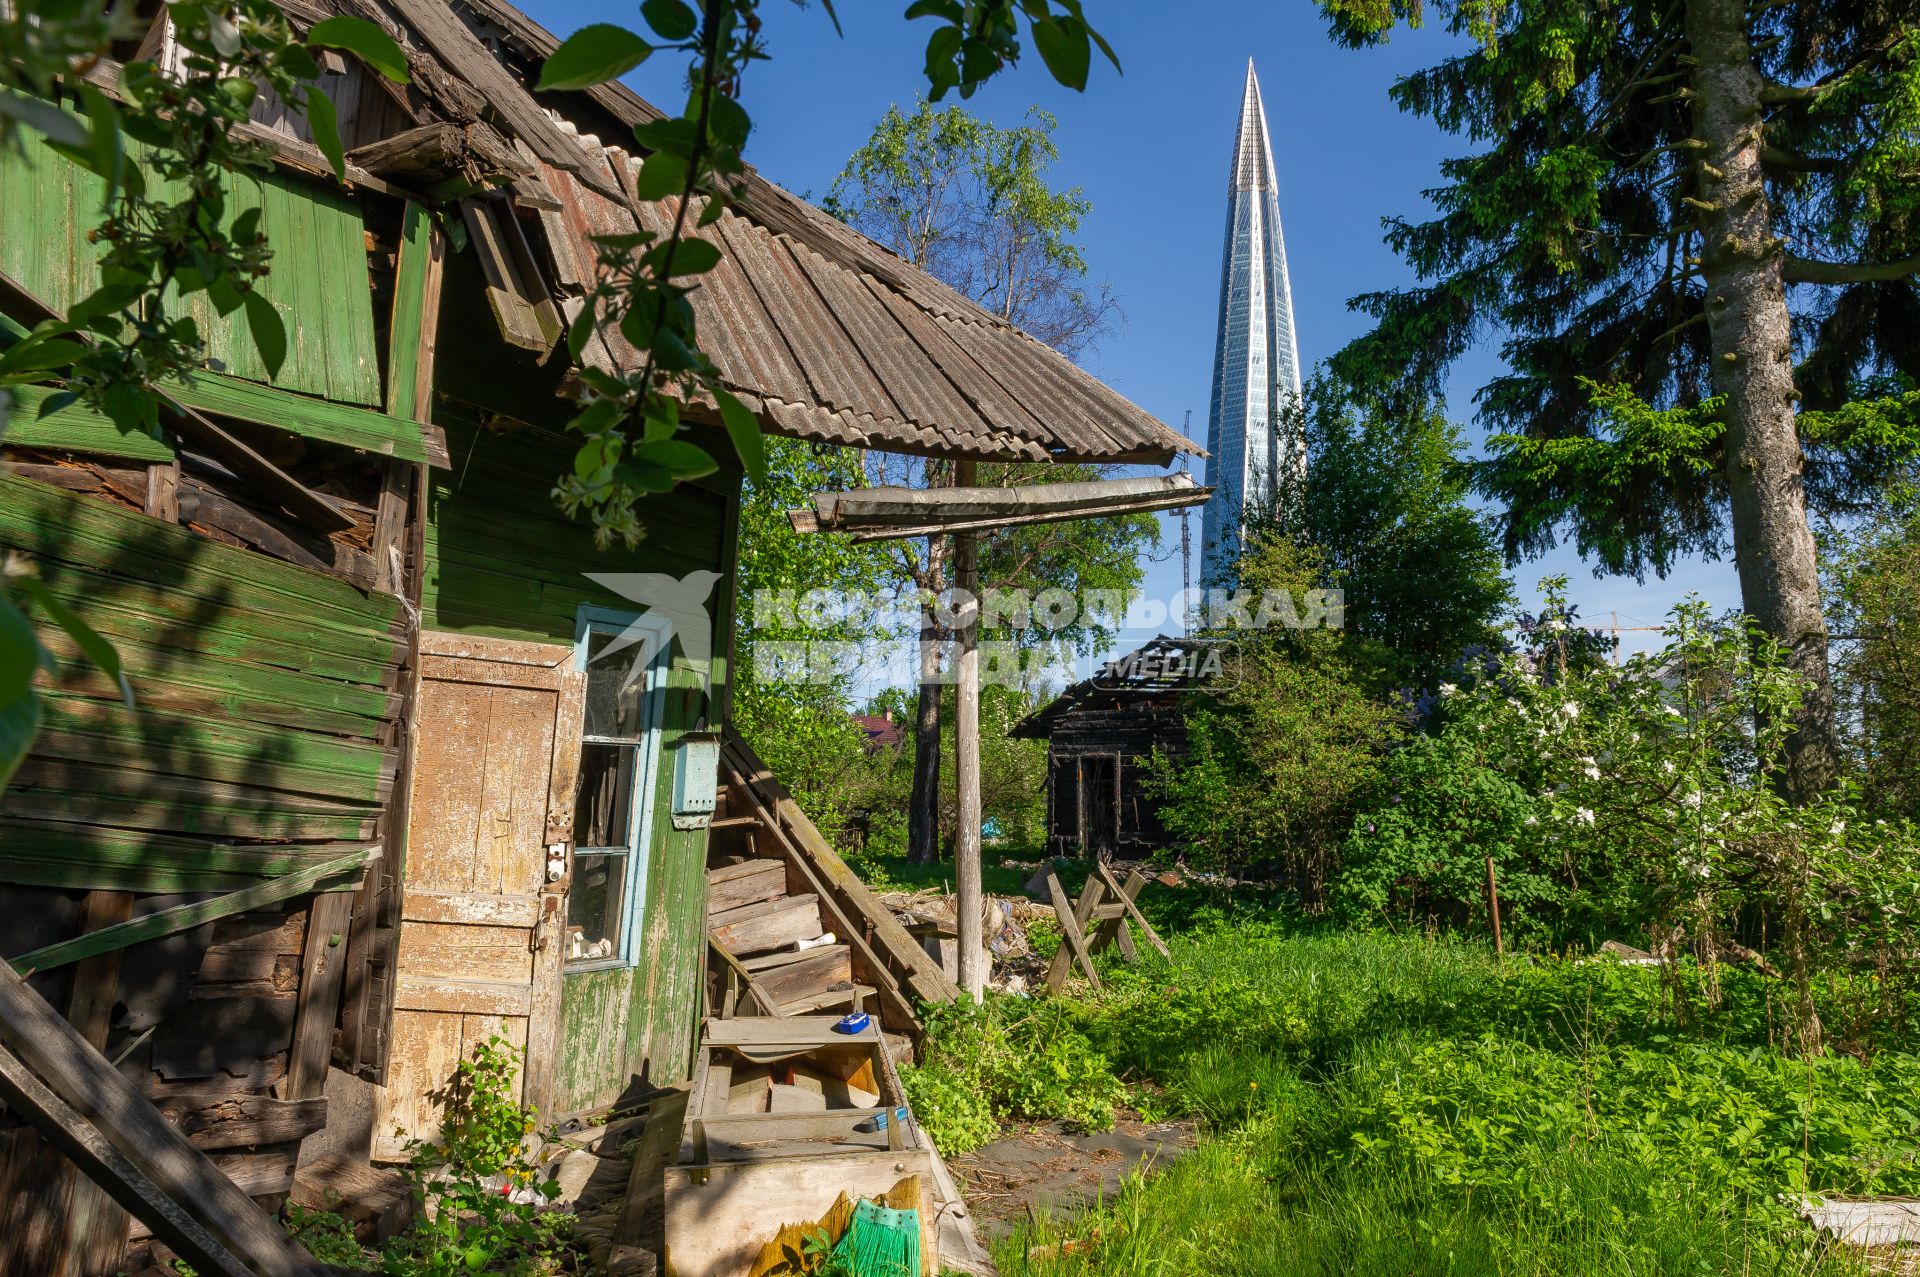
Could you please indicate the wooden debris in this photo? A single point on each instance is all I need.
(58, 1082)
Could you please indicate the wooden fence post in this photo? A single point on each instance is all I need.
(1493, 907)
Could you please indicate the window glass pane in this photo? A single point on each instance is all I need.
(616, 686)
(603, 804)
(596, 907)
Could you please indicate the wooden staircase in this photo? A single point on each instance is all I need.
(773, 885)
(763, 936)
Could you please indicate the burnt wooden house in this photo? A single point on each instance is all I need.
(1101, 734)
(382, 794)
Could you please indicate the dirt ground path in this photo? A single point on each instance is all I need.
(1046, 1169)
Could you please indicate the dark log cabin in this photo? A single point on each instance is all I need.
(1101, 735)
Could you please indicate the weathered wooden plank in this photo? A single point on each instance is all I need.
(1126, 902)
(767, 924)
(323, 964)
(344, 424)
(481, 997)
(1070, 931)
(337, 874)
(762, 880)
(76, 428)
(183, 744)
(49, 523)
(247, 1121)
(902, 953)
(79, 1075)
(59, 1124)
(1062, 964)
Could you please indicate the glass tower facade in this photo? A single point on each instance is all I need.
(1256, 362)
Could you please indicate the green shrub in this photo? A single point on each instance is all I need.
(480, 1189)
(1008, 1058)
(325, 1236)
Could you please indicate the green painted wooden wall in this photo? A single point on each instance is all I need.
(318, 282)
(503, 561)
(259, 687)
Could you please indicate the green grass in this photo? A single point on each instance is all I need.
(1378, 1104)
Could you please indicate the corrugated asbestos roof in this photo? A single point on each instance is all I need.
(831, 336)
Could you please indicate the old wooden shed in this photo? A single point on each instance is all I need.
(1102, 734)
(392, 785)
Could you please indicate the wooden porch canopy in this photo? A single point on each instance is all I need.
(827, 335)
(894, 513)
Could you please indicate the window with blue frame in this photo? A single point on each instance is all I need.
(624, 661)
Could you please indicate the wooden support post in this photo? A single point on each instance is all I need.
(1062, 963)
(966, 755)
(89, 1152)
(163, 491)
(1493, 907)
(322, 964)
(1134, 882)
(1113, 929)
(1071, 936)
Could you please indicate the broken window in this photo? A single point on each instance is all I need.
(610, 800)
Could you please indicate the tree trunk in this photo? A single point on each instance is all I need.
(923, 808)
(1751, 334)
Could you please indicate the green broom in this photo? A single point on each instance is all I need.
(881, 1242)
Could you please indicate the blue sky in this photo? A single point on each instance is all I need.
(1150, 147)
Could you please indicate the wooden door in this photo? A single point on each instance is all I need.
(498, 745)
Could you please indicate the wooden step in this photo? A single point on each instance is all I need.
(828, 999)
(783, 957)
(731, 886)
(767, 924)
(816, 970)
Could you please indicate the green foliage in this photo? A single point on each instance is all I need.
(1385, 508)
(790, 586)
(1642, 800)
(326, 1236)
(1875, 569)
(1007, 1058)
(481, 1190)
(969, 202)
(1391, 1104)
(1281, 747)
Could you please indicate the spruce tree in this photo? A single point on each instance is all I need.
(1696, 226)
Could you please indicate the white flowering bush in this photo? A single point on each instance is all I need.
(1640, 801)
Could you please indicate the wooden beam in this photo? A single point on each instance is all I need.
(163, 491)
(968, 897)
(334, 873)
(1126, 901)
(1062, 964)
(82, 1078)
(896, 513)
(1070, 933)
(323, 963)
(100, 1162)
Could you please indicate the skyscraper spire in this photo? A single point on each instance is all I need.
(1256, 360)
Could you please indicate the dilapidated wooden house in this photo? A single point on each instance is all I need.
(379, 798)
(1102, 734)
